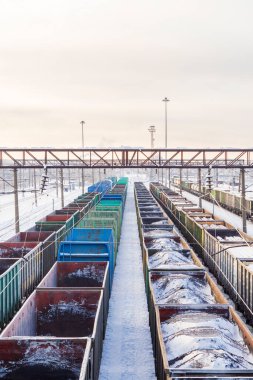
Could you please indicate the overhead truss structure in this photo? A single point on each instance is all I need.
(125, 158)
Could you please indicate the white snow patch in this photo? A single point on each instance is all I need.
(127, 352)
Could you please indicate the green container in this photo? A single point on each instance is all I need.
(122, 181)
(10, 290)
(199, 233)
(118, 209)
(223, 197)
(49, 226)
(182, 216)
(115, 215)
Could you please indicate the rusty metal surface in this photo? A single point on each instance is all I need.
(45, 358)
(58, 313)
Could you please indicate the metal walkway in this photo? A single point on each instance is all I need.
(127, 352)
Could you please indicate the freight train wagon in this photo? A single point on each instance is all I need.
(27, 257)
(195, 333)
(227, 251)
(227, 199)
(59, 329)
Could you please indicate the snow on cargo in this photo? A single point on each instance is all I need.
(58, 313)
(168, 257)
(159, 222)
(44, 358)
(88, 273)
(214, 226)
(73, 313)
(242, 253)
(16, 249)
(157, 233)
(205, 219)
(181, 288)
(163, 243)
(197, 339)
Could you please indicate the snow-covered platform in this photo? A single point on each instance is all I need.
(127, 352)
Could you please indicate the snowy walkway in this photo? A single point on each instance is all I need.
(220, 212)
(127, 352)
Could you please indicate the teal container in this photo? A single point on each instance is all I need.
(105, 214)
(122, 181)
(10, 288)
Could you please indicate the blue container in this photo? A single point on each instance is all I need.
(89, 244)
(93, 235)
(101, 187)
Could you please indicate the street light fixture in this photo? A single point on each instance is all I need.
(166, 100)
(82, 123)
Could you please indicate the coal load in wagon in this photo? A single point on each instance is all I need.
(163, 244)
(87, 276)
(182, 288)
(41, 359)
(201, 340)
(157, 233)
(170, 257)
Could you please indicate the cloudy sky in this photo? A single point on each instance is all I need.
(110, 63)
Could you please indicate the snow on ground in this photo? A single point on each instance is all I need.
(220, 212)
(28, 211)
(127, 353)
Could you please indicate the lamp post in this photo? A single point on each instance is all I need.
(152, 131)
(82, 123)
(166, 100)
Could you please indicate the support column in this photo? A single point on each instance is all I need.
(239, 186)
(169, 178)
(199, 187)
(82, 180)
(17, 228)
(35, 187)
(243, 206)
(180, 180)
(217, 177)
(56, 182)
(199, 180)
(4, 181)
(93, 176)
(69, 175)
(22, 181)
(29, 178)
(62, 188)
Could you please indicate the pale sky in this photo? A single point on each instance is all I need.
(111, 62)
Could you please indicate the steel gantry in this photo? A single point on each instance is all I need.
(125, 158)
